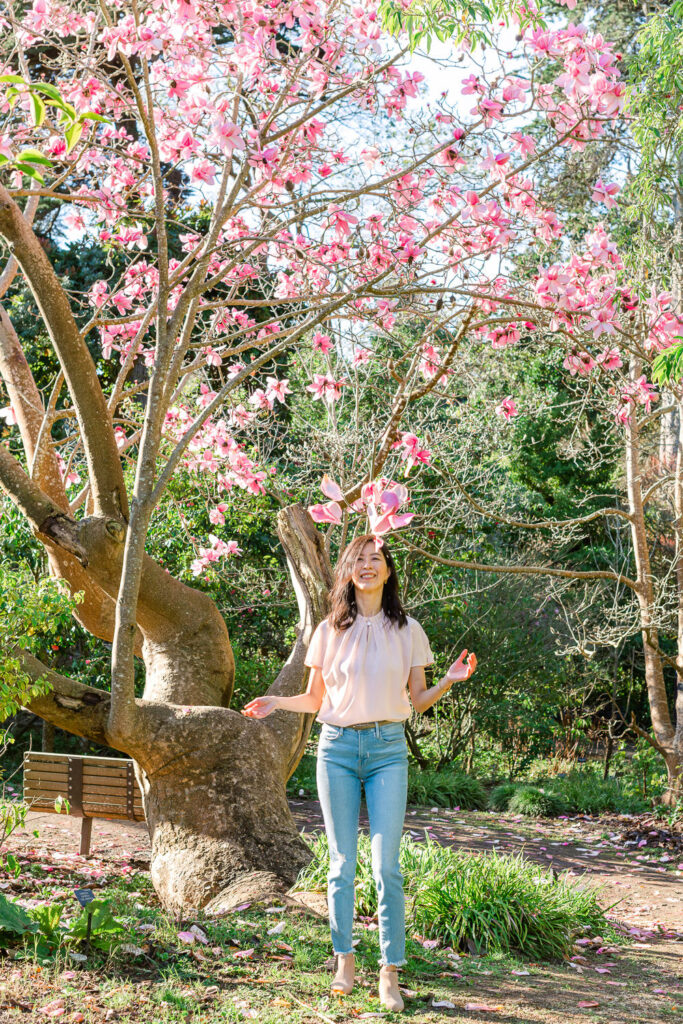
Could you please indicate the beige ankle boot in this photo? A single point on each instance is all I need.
(389, 995)
(344, 978)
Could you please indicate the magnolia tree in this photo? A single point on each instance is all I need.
(272, 181)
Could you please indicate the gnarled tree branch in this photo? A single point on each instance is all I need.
(101, 453)
(69, 705)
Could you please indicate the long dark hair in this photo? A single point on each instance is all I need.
(343, 608)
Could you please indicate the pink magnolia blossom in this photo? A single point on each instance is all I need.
(322, 342)
(329, 513)
(361, 356)
(383, 503)
(331, 488)
(610, 359)
(260, 400)
(411, 452)
(507, 408)
(217, 550)
(326, 388)
(277, 390)
(605, 193)
(203, 171)
(240, 417)
(213, 358)
(579, 362)
(217, 514)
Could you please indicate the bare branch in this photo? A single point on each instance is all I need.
(527, 570)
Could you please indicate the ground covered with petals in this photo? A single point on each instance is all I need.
(273, 962)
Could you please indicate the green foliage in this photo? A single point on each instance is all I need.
(302, 783)
(487, 903)
(14, 920)
(45, 924)
(654, 103)
(105, 928)
(12, 817)
(446, 788)
(535, 801)
(585, 793)
(500, 796)
(667, 367)
(503, 904)
(48, 918)
(582, 791)
(458, 20)
(31, 611)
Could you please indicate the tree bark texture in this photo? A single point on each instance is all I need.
(213, 781)
(667, 738)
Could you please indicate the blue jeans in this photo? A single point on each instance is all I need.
(378, 758)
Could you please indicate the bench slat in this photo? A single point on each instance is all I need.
(55, 785)
(42, 773)
(102, 772)
(96, 811)
(103, 800)
(44, 757)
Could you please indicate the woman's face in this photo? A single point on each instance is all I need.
(370, 571)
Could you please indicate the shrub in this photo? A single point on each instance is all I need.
(499, 797)
(585, 793)
(536, 802)
(503, 904)
(484, 901)
(449, 788)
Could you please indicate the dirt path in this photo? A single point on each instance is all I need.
(644, 882)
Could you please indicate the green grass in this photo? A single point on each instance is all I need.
(585, 793)
(577, 792)
(536, 802)
(496, 904)
(446, 788)
(499, 797)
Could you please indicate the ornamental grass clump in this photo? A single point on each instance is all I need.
(449, 788)
(536, 802)
(585, 793)
(500, 796)
(482, 902)
(503, 904)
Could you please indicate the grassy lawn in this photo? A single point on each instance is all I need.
(273, 963)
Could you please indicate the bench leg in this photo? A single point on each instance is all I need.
(86, 832)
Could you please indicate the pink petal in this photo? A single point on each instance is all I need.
(330, 513)
(390, 500)
(331, 489)
(400, 519)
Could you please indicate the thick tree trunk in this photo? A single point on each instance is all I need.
(219, 829)
(213, 781)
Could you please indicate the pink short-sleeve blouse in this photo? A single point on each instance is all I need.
(366, 667)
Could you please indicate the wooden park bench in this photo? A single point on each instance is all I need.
(95, 787)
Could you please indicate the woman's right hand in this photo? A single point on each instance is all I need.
(260, 707)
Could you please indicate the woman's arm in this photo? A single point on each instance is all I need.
(422, 697)
(304, 703)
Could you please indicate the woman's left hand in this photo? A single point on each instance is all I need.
(463, 667)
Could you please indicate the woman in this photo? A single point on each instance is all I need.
(362, 657)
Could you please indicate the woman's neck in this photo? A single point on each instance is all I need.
(369, 604)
